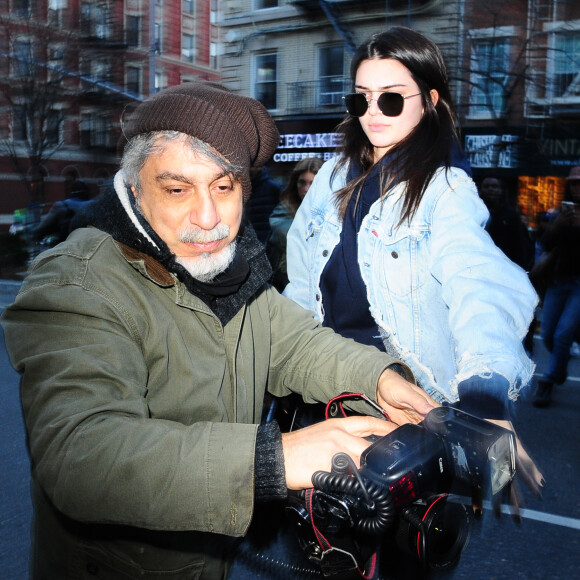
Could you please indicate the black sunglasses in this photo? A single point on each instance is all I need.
(390, 104)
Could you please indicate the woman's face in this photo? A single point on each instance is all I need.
(377, 76)
(304, 182)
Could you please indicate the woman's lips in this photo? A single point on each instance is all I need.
(377, 127)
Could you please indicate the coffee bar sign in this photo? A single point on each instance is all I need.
(492, 150)
(296, 146)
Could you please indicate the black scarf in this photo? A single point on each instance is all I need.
(225, 294)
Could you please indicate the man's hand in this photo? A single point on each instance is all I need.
(403, 401)
(312, 448)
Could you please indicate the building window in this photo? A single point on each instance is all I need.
(263, 4)
(95, 131)
(188, 47)
(23, 52)
(20, 122)
(100, 70)
(52, 128)
(133, 30)
(158, 38)
(188, 6)
(566, 78)
(158, 81)
(56, 10)
(56, 54)
(28, 125)
(96, 70)
(213, 55)
(21, 8)
(133, 81)
(56, 62)
(266, 79)
(538, 194)
(95, 20)
(331, 75)
(489, 77)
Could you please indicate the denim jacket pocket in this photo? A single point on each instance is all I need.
(400, 262)
(322, 235)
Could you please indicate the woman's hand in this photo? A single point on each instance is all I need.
(526, 469)
(403, 401)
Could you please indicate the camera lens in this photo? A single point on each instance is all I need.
(434, 531)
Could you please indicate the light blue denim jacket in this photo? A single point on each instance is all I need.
(447, 301)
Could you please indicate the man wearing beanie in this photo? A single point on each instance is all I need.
(146, 342)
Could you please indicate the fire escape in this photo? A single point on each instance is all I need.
(537, 104)
(324, 96)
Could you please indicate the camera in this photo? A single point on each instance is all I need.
(401, 495)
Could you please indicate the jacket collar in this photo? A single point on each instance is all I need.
(152, 267)
(113, 213)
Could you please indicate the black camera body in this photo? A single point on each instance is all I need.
(401, 494)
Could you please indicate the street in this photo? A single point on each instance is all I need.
(545, 546)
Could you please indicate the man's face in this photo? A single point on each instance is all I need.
(575, 190)
(189, 201)
(492, 193)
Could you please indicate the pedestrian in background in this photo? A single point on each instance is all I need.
(389, 246)
(281, 218)
(561, 306)
(265, 195)
(505, 224)
(509, 233)
(55, 226)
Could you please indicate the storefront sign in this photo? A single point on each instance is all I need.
(306, 145)
(492, 150)
(563, 152)
(309, 141)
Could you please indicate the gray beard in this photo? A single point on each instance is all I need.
(207, 266)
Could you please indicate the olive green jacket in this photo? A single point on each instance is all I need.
(142, 408)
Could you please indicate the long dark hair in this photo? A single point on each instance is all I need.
(289, 195)
(430, 143)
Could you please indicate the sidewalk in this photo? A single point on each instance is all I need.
(8, 291)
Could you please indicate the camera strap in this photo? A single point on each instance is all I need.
(335, 405)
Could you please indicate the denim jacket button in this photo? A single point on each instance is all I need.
(395, 255)
(325, 253)
(318, 298)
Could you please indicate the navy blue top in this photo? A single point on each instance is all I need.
(344, 294)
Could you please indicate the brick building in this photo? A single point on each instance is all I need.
(69, 69)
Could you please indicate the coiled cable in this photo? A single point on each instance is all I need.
(378, 499)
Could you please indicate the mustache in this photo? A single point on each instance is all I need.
(198, 235)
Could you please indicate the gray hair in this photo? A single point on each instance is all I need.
(140, 147)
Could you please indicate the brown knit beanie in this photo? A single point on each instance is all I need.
(238, 127)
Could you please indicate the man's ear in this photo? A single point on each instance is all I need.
(133, 191)
(434, 94)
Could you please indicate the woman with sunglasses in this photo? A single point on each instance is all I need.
(389, 246)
